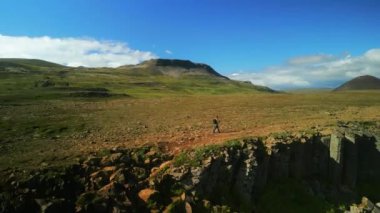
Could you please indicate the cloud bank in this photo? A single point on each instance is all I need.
(72, 51)
(315, 71)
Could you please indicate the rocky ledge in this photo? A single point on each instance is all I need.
(234, 176)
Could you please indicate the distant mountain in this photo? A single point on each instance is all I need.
(366, 82)
(174, 68)
(185, 69)
(158, 77)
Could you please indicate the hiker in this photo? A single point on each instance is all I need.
(215, 123)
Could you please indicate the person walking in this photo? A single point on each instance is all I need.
(215, 123)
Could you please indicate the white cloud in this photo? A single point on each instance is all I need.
(72, 51)
(168, 52)
(310, 59)
(373, 55)
(315, 71)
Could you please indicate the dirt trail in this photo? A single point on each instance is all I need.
(217, 138)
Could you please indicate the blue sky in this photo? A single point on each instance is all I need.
(240, 37)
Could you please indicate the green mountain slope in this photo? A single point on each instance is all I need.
(38, 80)
(26, 63)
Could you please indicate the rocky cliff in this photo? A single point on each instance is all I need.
(231, 177)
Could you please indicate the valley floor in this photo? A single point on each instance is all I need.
(54, 132)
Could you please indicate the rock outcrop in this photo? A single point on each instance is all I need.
(332, 165)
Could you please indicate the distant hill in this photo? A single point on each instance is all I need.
(174, 68)
(20, 62)
(366, 82)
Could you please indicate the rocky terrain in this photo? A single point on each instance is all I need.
(237, 176)
(366, 82)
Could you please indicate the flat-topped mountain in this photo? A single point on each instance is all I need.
(175, 68)
(365, 82)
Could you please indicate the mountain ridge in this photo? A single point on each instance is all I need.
(175, 67)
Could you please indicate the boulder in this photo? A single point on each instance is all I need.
(114, 158)
(98, 179)
(118, 176)
(146, 194)
(112, 189)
